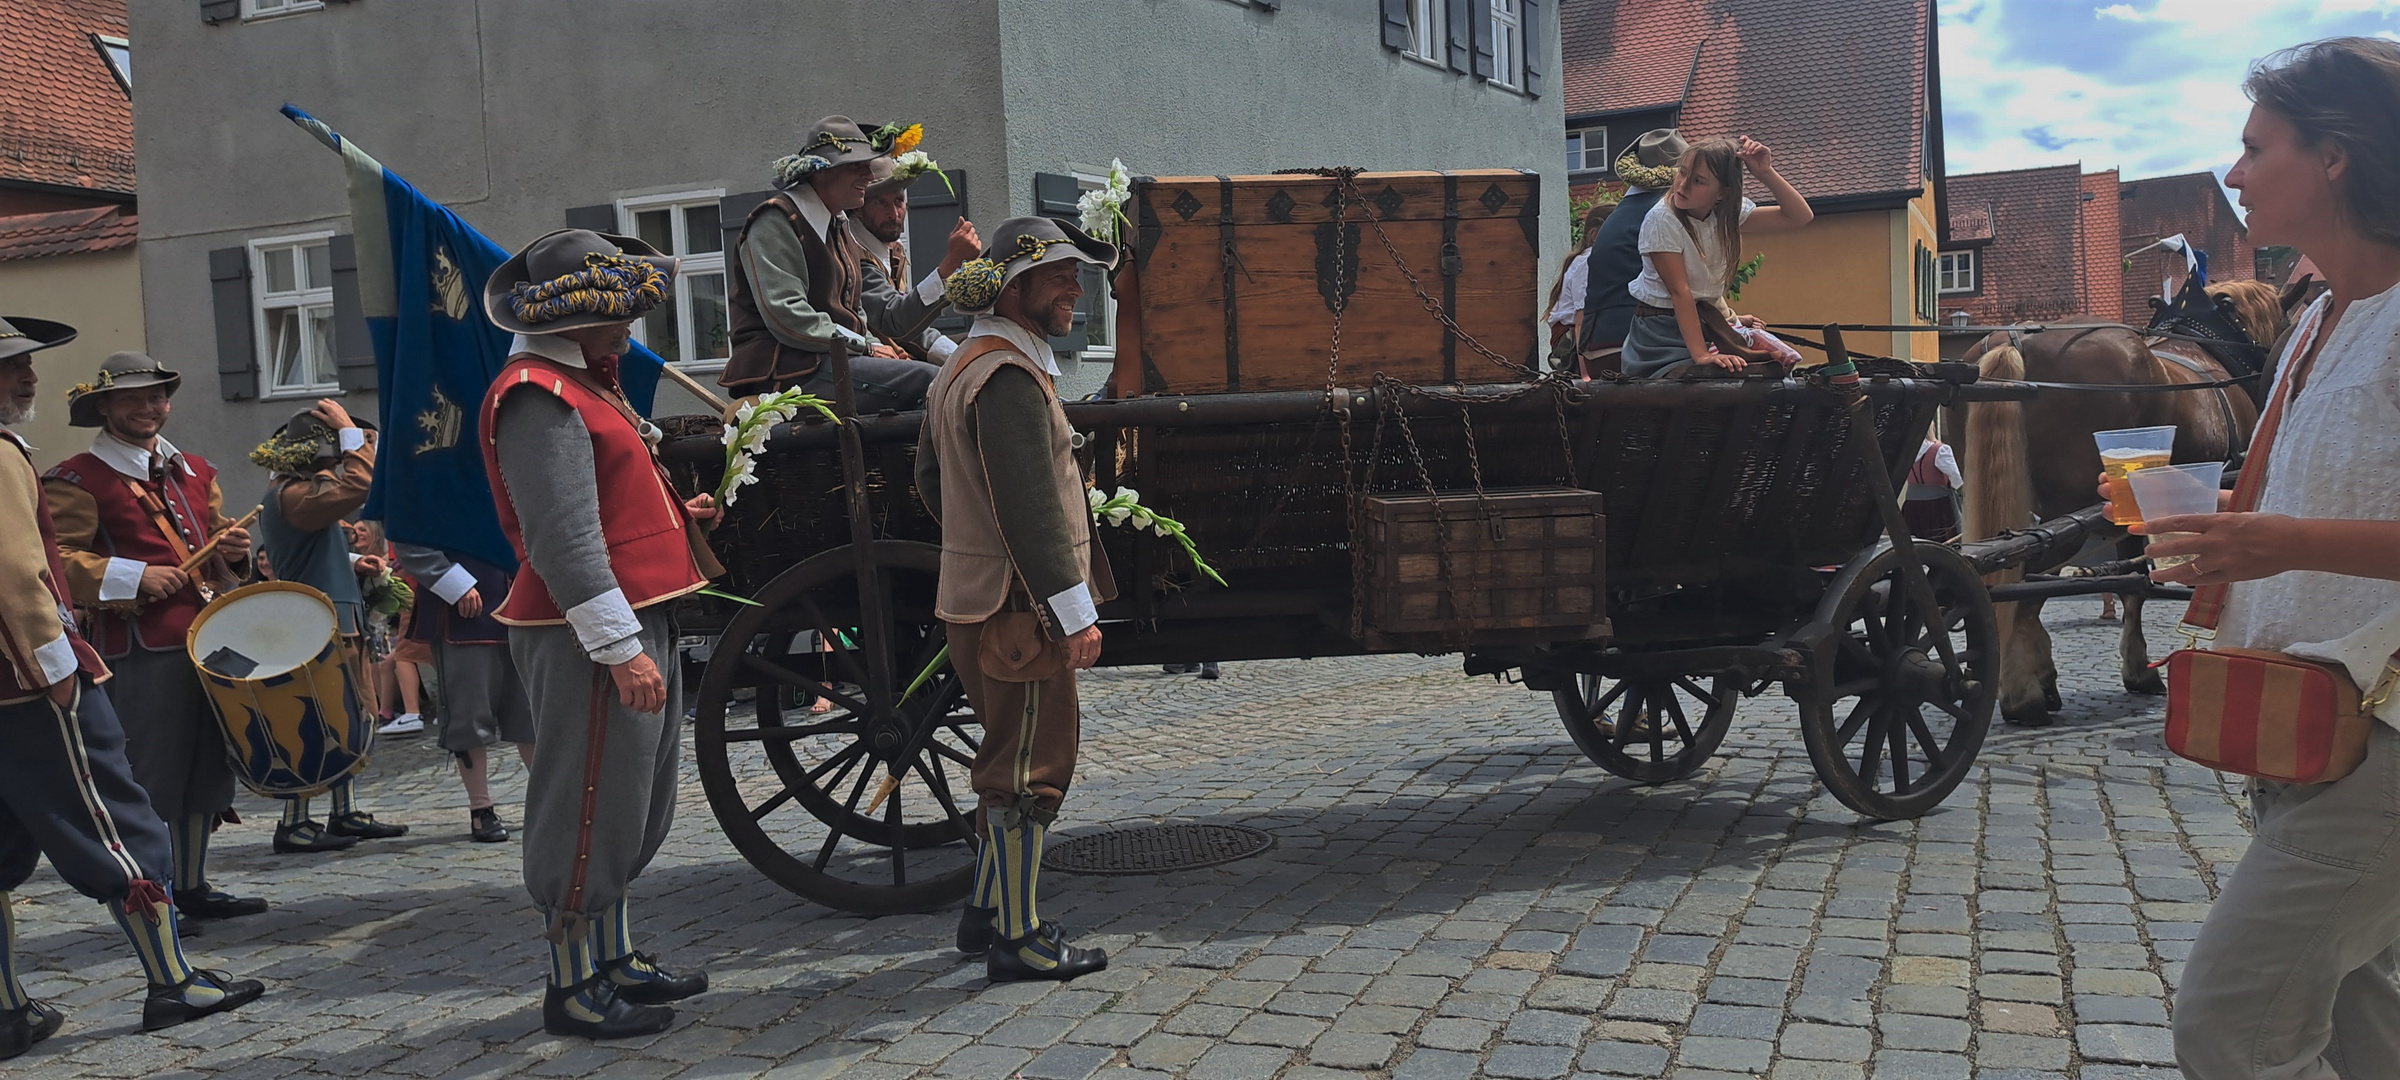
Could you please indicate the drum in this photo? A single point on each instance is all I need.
(271, 658)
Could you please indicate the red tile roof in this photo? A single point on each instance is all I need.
(63, 118)
(2027, 273)
(1969, 222)
(1839, 90)
(66, 232)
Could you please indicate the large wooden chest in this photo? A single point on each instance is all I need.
(1527, 562)
(1234, 282)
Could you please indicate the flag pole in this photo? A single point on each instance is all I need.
(693, 387)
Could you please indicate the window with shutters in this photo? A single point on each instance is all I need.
(1099, 304)
(1424, 31)
(291, 291)
(1958, 272)
(690, 328)
(264, 9)
(1508, 44)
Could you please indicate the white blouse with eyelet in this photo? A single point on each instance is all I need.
(2336, 456)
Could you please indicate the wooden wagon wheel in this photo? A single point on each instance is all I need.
(865, 807)
(1650, 731)
(1897, 708)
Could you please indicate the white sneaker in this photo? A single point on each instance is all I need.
(403, 724)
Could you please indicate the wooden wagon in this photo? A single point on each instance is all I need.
(1648, 553)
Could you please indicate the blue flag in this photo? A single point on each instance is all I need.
(421, 272)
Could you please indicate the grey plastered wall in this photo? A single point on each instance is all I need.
(508, 112)
(1208, 87)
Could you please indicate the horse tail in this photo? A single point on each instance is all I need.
(1999, 493)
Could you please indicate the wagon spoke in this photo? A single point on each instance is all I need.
(827, 636)
(848, 758)
(1870, 756)
(1925, 739)
(1601, 707)
(833, 834)
(892, 821)
(1675, 709)
(1692, 686)
(1897, 735)
(1855, 687)
(770, 806)
(937, 781)
(946, 750)
(786, 676)
(1859, 714)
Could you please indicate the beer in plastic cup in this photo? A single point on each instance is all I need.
(2126, 451)
(2167, 491)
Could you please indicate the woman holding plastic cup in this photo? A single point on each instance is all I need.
(2295, 974)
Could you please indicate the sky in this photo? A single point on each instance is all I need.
(2150, 87)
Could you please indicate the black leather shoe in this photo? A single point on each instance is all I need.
(362, 825)
(1209, 671)
(975, 929)
(166, 1007)
(487, 828)
(661, 987)
(21, 1028)
(211, 904)
(619, 1018)
(309, 838)
(1002, 964)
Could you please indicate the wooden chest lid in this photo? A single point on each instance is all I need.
(1308, 199)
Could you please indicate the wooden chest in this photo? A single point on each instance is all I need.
(1235, 280)
(1523, 563)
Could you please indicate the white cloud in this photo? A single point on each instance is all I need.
(2037, 82)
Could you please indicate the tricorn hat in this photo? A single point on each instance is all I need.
(835, 140)
(575, 278)
(304, 439)
(1650, 161)
(1018, 245)
(20, 335)
(121, 371)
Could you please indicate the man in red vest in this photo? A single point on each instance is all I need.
(130, 511)
(603, 545)
(66, 790)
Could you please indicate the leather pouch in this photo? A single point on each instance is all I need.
(1014, 649)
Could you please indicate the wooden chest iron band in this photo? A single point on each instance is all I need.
(1520, 559)
(1234, 280)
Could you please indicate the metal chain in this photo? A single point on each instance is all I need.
(1396, 391)
(1349, 183)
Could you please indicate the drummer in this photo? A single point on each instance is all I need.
(130, 511)
(320, 465)
(66, 791)
(603, 545)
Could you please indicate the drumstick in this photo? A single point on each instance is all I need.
(210, 548)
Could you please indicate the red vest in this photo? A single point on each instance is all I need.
(641, 520)
(86, 659)
(127, 531)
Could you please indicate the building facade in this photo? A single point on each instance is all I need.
(660, 119)
(1848, 96)
(2192, 205)
(2031, 246)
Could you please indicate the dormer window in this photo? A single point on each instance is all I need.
(118, 54)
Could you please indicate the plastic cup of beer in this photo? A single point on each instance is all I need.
(2126, 451)
(2172, 490)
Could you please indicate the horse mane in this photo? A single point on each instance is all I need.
(2257, 305)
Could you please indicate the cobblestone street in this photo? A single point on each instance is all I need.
(1454, 891)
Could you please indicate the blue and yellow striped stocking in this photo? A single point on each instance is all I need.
(612, 939)
(190, 834)
(150, 925)
(295, 811)
(1015, 855)
(12, 992)
(344, 802)
(571, 964)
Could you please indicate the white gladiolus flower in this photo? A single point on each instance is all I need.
(1129, 495)
(742, 415)
(1095, 497)
(1141, 520)
(1160, 530)
(1118, 516)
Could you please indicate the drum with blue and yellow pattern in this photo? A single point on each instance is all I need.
(271, 658)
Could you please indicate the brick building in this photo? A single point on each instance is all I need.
(2194, 205)
(2031, 245)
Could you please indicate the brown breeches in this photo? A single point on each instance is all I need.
(1030, 731)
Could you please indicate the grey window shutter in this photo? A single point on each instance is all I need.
(601, 218)
(1395, 24)
(237, 344)
(933, 210)
(1458, 30)
(353, 349)
(217, 11)
(1537, 38)
(1055, 195)
(1479, 24)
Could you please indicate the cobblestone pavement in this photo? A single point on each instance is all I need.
(1455, 891)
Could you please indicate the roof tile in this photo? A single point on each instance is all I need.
(63, 118)
(66, 232)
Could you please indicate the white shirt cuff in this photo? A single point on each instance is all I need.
(603, 623)
(352, 438)
(941, 349)
(123, 581)
(1074, 609)
(619, 651)
(57, 660)
(454, 584)
(354, 557)
(930, 289)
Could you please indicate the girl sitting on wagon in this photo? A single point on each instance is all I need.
(1691, 241)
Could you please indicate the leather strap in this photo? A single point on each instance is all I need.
(158, 517)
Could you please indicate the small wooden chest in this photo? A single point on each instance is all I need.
(1523, 563)
(1236, 279)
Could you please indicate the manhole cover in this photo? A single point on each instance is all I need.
(1155, 849)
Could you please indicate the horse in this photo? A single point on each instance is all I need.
(2009, 487)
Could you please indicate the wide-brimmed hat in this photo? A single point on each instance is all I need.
(20, 335)
(121, 371)
(300, 443)
(575, 278)
(1650, 161)
(1018, 245)
(838, 140)
(885, 177)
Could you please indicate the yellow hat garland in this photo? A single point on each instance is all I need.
(978, 283)
(1655, 177)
